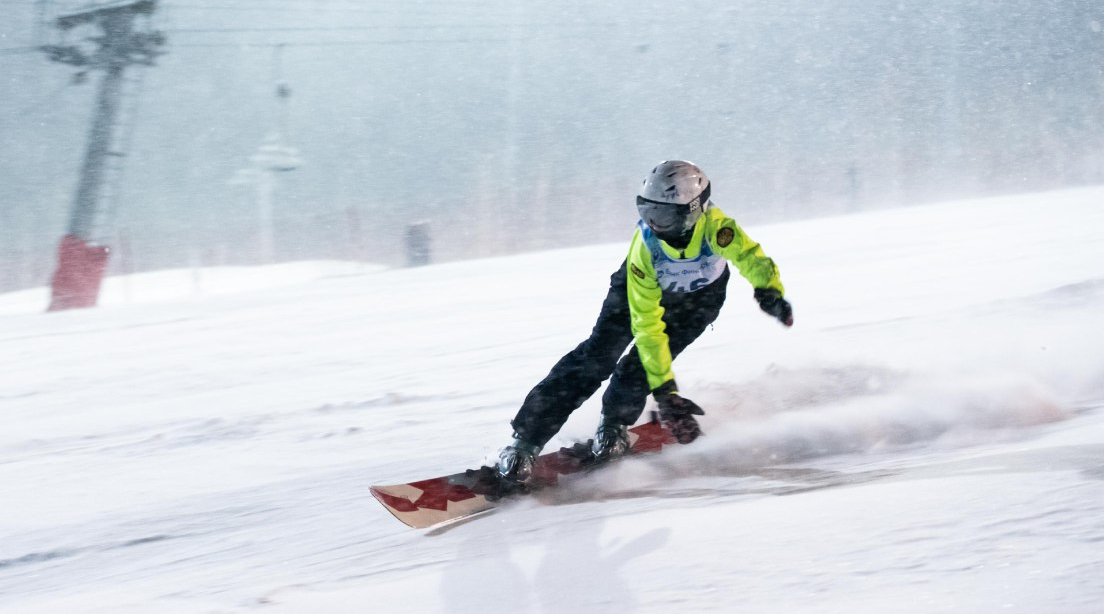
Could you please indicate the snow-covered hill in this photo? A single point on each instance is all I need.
(928, 437)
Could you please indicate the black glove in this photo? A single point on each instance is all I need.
(771, 301)
(677, 413)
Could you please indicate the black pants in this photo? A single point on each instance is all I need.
(580, 373)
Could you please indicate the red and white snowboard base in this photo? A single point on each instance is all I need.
(452, 497)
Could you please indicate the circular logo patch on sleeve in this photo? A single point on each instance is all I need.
(725, 237)
(636, 271)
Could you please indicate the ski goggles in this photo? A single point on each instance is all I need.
(670, 216)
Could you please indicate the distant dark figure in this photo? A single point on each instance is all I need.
(417, 244)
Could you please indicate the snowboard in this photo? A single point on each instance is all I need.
(452, 498)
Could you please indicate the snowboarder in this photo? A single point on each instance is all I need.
(669, 289)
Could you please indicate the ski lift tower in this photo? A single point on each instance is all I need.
(82, 256)
(273, 158)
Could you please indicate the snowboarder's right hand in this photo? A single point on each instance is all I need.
(677, 413)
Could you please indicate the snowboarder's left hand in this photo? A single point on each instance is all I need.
(771, 302)
(677, 413)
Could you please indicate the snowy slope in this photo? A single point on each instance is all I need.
(929, 437)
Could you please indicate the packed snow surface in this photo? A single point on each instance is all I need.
(928, 437)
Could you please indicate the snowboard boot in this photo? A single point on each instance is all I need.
(611, 441)
(515, 462)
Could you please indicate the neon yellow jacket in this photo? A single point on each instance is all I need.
(654, 267)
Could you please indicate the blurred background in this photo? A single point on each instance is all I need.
(279, 130)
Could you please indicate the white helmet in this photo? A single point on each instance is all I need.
(673, 197)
